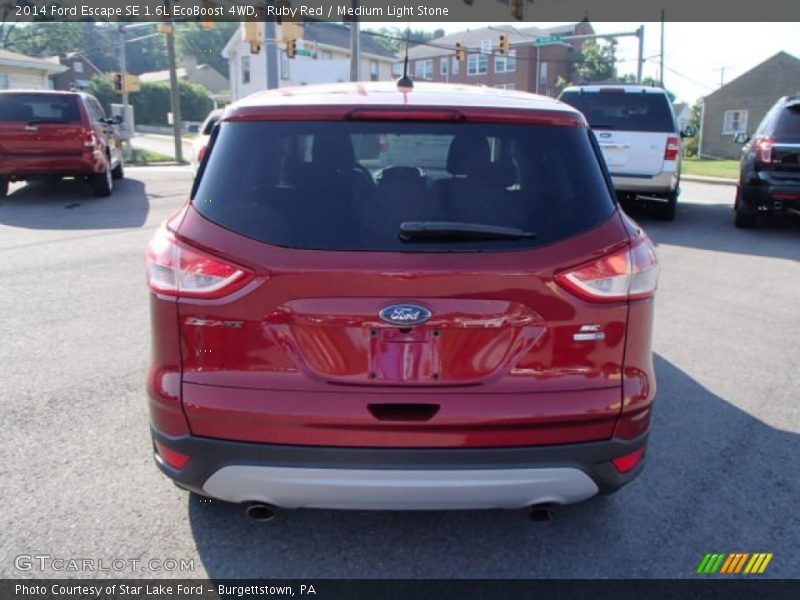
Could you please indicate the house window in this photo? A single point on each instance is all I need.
(443, 62)
(326, 55)
(477, 64)
(3, 81)
(245, 69)
(286, 71)
(373, 70)
(506, 86)
(543, 73)
(735, 121)
(456, 66)
(423, 69)
(77, 67)
(506, 64)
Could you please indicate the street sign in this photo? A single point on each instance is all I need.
(306, 48)
(544, 41)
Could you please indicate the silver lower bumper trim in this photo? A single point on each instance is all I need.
(390, 489)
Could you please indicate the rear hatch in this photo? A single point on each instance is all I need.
(785, 160)
(40, 124)
(386, 303)
(632, 127)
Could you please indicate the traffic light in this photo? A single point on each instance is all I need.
(252, 35)
(461, 52)
(292, 30)
(208, 9)
(518, 9)
(117, 80)
(291, 48)
(505, 44)
(166, 28)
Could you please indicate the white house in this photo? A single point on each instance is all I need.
(323, 57)
(18, 71)
(683, 113)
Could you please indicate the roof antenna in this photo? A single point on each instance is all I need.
(405, 83)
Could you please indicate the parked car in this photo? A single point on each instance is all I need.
(204, 134)
(468, 334)
(769, 173)
(58, 134)
(639, 136)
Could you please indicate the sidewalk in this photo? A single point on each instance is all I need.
(706, 179)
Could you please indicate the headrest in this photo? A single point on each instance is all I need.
(333, 149)
(469, 155)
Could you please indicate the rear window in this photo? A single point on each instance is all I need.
(623, 111)
(351, 185)
(788, 122)
(39, 107)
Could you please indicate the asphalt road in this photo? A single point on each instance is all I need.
(723, 471)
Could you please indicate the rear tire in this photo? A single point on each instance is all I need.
(118, 172)
(102, 183)
(666, 212)
(744, 219)
(3, 187)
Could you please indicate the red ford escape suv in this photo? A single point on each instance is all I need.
(388, 299)
(58, 134)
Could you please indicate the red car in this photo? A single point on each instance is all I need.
(58, 134)
(388, 299)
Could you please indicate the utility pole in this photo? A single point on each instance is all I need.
(355, 46)
(640, 61)
(661, 59)
(271, 54)
(174, 94)
(721, 75)
(123, 68)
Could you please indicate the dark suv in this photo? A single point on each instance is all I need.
(380, 298)
(769, 176)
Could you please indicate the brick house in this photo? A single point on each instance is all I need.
(485, 66)
(78, 75)
(739, 106)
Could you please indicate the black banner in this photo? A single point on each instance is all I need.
(398, 589)
(401, 11)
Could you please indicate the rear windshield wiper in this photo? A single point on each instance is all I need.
(434, 231)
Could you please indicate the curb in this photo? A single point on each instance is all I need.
(705, 179)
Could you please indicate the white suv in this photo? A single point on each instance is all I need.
(637, 132)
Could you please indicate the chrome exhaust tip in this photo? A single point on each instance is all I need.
(261, 512)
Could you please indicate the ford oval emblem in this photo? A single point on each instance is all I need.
(405, 314)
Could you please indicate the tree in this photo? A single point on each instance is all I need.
(597, 62)
(206, 44)
(690, 145)
(394, 38)
(54, 38)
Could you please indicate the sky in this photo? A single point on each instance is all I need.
(694, 53)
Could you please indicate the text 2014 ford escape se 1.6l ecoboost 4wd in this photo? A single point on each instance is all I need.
(389, 299)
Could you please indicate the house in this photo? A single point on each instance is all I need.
(323, 57)
(739, 106)
(208, 77)
(683, 113)
(18, 71)
(78, 74)
(527, 67)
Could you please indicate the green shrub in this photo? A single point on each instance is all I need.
(152, 102)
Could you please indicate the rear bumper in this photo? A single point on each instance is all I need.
(771, 194)
(17, 166)
(663, 183)
(393, 478)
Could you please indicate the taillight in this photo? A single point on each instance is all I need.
(626, 274)
(764, 150)
(673, 149)
(89, 139)
(176, 269)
